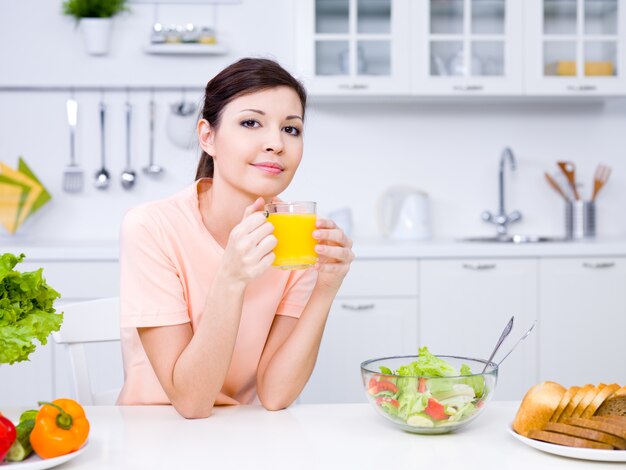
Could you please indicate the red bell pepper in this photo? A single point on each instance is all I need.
(391, 401)
(382, 386)
(435, 410)
(7, 436)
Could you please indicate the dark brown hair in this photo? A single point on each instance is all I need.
(245, 76)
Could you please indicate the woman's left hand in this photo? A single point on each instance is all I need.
(334, 250)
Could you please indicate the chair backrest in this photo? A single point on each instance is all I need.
(93, 321)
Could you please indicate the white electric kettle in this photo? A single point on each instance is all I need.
(404, 214)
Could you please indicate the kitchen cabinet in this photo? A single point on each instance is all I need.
(47, 374)
(353, 47)
(583, 320)
(465, 303)
(374, 315)
(467, 47)
(575, 47)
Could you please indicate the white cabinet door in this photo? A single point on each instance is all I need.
(358, 330)
(464, 306)
(353, 47)
(467, 47)
(575, 47)
(583, 320)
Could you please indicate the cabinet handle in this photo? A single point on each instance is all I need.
(359, 307)
(606, 264)
(581, 87)
(479, 267)
(467, 87)
(354, 86)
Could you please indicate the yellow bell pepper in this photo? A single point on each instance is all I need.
(61, 427)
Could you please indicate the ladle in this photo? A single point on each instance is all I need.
(505, 333)
(128, 175)
(102, 176)
(152, 169)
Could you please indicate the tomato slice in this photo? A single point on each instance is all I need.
(382, 386)
(435, 410)
(421, 385)
(389, 400)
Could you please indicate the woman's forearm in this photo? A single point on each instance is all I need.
(290, 367)
(200, 371)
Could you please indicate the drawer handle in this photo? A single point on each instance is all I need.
(354, 86)
(581, 88)
(359, 307)
(479, 267)
(467, 87)
(606, 264)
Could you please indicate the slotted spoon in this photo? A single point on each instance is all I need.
(73, 175)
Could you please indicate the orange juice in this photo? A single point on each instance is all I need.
(296, 245)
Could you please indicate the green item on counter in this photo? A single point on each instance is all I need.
(26, 310)
(44, 196)
(21, 448)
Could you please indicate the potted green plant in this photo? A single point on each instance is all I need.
(95, 20)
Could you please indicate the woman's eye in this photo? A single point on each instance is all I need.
(250, 123)
(292, 130)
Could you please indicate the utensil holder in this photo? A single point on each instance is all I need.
(580, 219)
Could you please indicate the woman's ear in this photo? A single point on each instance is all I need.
(206, 136)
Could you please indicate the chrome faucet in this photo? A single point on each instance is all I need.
(502, 219)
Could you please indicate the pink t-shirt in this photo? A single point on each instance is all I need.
(168, 259)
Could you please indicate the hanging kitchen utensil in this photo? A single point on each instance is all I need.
(102, 175)
(73, 175)
(569, 170)
(524, 336)
(128, 175)
(181, 123)
(555, 186)
(505, 333)
(152, 169)
(600, 178)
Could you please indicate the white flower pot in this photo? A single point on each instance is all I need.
(96, 34)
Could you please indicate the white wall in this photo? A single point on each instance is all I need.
(352, 152)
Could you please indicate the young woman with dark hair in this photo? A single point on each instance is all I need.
(205, 318)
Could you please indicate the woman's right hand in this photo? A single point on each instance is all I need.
(248, 252)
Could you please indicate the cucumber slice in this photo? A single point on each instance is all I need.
(21, 448)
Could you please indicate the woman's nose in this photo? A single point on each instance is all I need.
(274, 142)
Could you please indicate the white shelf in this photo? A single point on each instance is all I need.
(185, 49)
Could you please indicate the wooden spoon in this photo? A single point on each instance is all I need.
(600, 178)
(552, 182)
(569, 170)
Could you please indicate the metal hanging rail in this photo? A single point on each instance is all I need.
(98, 89)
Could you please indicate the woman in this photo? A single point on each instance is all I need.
(205, 320)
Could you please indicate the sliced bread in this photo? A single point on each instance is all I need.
(567, 396)
(586, 433)
(565, 440)
(598, 400)
(615, 405)
(608, 426)
(573, 403)
(587, 399)
(537, 407)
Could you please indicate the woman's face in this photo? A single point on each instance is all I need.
(257, 146)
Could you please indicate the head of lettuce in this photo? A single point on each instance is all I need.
(26, 310)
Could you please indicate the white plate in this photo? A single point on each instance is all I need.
(34, 462)
(573, 452)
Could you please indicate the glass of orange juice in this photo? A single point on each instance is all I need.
(293, 223)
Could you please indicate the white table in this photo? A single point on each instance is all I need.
(302, 437)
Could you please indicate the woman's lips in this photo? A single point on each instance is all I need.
(269, 167)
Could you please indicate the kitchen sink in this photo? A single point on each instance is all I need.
(514, 239)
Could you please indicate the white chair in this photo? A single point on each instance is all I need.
(93, 321)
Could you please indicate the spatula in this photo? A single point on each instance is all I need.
(569, 170)
(73, 175)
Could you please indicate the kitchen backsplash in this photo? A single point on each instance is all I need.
(353, 151)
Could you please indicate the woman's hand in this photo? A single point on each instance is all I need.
(248, 252)
(334, 249)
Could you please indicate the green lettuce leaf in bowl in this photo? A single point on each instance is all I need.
(26, 310)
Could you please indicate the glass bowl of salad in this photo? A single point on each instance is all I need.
(428, 394)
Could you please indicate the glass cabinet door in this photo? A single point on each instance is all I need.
(356, 44)
(579, 45)
(471, 45)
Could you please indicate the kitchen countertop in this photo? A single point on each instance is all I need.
(305, 437)
(364, 248)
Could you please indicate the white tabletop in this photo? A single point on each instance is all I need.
(300, 438)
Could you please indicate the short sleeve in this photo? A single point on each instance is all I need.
(297, 292)
(151, 292)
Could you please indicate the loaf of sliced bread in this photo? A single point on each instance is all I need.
(614, 405)
(537, 407)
